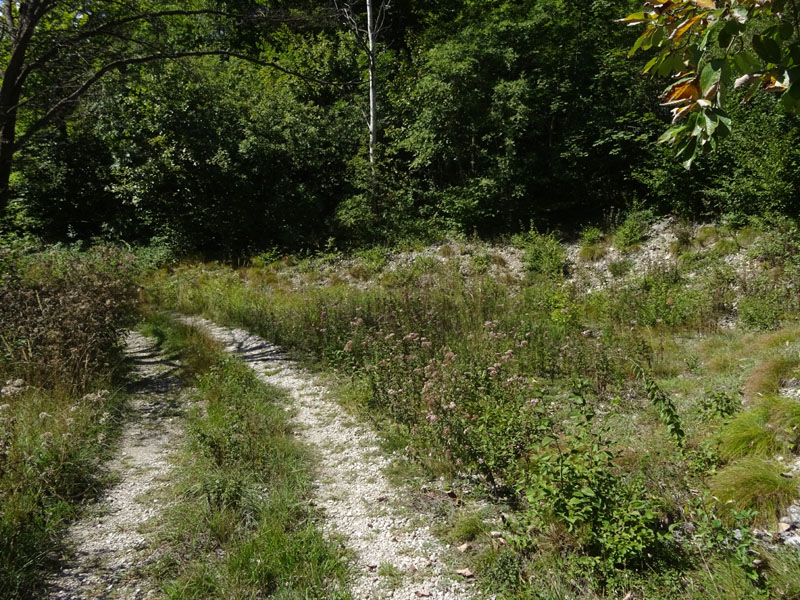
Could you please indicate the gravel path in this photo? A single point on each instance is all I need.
(108, 546)
(397, 557)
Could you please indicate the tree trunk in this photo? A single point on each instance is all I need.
(7, 138)
(21, 33)
(373, 93)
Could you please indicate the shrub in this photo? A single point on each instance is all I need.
(633, 230)
(765, 303)
(778, 246)
(575, 482)
(544, 254)
(721, 404)
(61, 314)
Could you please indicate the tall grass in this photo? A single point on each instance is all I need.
(755, 483)
(61, 316)
(530, 390)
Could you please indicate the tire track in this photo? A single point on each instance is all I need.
(396, 557)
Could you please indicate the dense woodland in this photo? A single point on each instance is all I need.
(490, 115)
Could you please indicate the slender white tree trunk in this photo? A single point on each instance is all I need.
(373, 93)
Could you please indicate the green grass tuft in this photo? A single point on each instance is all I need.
(749, 433)
(753, 483)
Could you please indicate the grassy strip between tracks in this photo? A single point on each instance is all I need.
(239, 523)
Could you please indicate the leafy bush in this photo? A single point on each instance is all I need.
(721, 404)
(765, 303)
(633, 229)
(779, 245)
(575, 482)
(544, 254)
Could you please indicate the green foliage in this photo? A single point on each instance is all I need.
(544, 254)
(593, 246)
(471, 377)
(765, 303)
(633, 229)
(573, 481)
(760, 50)
(666, 409)
(730, 542)
(620, 268)
(721, 404)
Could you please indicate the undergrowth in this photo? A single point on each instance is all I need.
(593, 415)
(62, 313)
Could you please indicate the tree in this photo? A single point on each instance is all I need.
(711, 47)
(367, 37)
(53, 51)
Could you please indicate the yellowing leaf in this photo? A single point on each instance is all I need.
(681, 93)
(660, 7)
(684, 27)
(681, 111)
(774, 86)
(705, 4)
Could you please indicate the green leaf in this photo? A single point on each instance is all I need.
(639, 41)
(711, 122)
(672, 134)
(767, 49)
(655, 39)
(746, 62)
(710, 75)
(651, 63)
(794, 53)
(726, 35)
(686, 152)
(587, 491)
(785, 30)
(724, 125)
(794, 88)
(788, 103)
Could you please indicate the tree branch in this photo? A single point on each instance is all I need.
(66, 104)
(108, 27)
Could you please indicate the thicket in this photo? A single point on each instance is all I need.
(490, 116)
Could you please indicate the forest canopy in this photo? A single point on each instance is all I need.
(230, 127)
